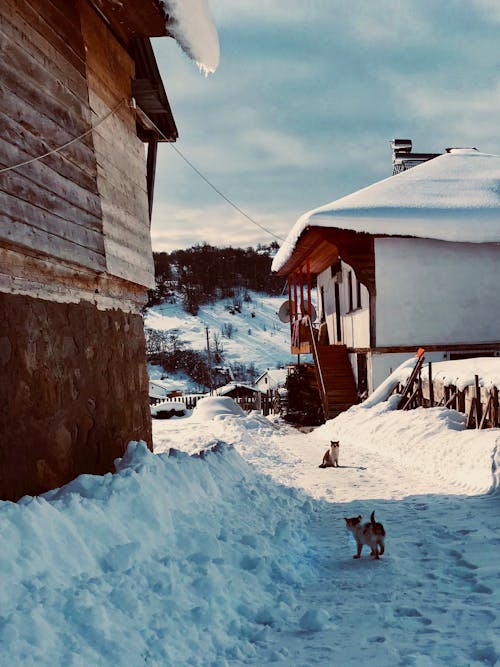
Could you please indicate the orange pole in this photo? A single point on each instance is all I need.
(295, 296)
(309, 309)
(301, 278)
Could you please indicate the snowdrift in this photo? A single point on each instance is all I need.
(173, 560)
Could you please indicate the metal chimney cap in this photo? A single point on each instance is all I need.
(403, 145)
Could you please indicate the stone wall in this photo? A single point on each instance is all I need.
(73, 391)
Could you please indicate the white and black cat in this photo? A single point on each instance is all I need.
(372, 534)
(331, 457)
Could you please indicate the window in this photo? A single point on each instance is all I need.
(349, 291)
(358, 294)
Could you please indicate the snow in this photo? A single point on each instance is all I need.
(228, 546)
(193, 29)
(211, 407)
(232, 386)
(178, 407)
(461, 372)
(453, 197)
(257, 334)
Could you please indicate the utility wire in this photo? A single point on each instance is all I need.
(68, 143)
(221, 194)
(177, 150)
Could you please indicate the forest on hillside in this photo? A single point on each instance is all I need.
(204, 273)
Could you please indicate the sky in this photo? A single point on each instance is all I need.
(305, 102)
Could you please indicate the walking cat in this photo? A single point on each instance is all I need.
(372, 534)
(331, 457)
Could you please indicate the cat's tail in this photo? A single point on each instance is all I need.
(372, 517)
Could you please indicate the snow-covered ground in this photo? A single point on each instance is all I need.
(240, 556)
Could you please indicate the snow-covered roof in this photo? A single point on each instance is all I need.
(157, 389)
(233, 386)
(453, 197)
(277, 375)
(192, 27)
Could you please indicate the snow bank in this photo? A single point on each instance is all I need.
(433, 442)
(212, 407)
(193, 29)
(174, 560)
(177, 408)
(461, 372)
(383, 391)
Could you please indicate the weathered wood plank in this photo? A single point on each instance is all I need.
(51, 193)
(19, 31)
(127, 266)
(40, 276)
(17, 232)
(128, 196)
(119, 223)
(40, 88)
(15, 210)
(110, 68)
(120, 129)
(119, 153)
(76, 202)
(57, 22)
(20, 129)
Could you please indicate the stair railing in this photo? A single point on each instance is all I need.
(317, 365)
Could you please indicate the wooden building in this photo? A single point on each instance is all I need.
(82, 110)
(411, 261)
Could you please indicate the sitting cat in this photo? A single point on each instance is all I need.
(372, 534)
(331, 457)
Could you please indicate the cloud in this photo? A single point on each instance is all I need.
(306, 99)
(179, 227)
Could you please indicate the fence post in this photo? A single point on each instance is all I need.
(479, 405)
(431, 386)
(494, 407)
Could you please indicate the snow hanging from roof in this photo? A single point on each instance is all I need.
(454, 197)
(193, 29)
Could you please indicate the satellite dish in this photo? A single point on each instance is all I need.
(284, 311)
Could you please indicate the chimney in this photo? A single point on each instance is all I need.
(403, 158)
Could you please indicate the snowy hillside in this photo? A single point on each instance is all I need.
(254, 335)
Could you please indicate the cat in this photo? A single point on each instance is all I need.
(331, 457)
(372, 534)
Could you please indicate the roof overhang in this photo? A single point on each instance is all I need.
(133, 18)
(154, 117)
(318, 248)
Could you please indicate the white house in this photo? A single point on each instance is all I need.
(411, 261)
(271, 379)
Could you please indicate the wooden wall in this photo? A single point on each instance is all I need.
(120, 154)
(50, 207)
(62, 71)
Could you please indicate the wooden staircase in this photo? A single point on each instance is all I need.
(334, 377)
(338, 379)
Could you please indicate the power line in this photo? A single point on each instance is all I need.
(68, 143)
(221, 194)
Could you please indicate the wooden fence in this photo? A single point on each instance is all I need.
(247, 403)
(479, 404)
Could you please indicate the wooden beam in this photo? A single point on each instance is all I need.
(150, 173)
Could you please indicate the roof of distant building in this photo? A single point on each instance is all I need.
(451, 197)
